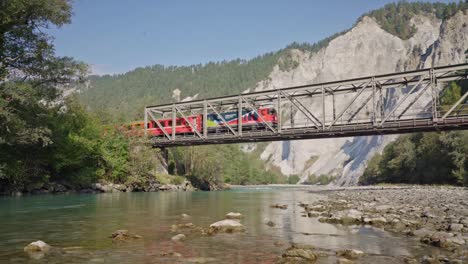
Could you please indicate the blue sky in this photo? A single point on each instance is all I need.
(116, 36)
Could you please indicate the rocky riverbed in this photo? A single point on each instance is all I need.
(301, 224)
(435, 216)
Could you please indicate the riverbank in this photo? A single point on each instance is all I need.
(103, 187)
(435, 216)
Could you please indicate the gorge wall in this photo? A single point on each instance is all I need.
(364, 50)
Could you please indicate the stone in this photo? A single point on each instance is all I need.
(438, 239)
(456, 227)
(184, 215)
(350, 253)
(226, 226)
(344, 261)
(232, 215)
(270, 223)
(123, 236)
(170, 254)
(284, 206)
(177, 227)
(421, 232)
(298, 254)
(376, 221)
(37, 246)
(313, 214)
(179, 237)
(410, 260)
(351, 217)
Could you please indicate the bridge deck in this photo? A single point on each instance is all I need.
(376, 105)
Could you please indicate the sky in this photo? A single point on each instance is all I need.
(116, 36)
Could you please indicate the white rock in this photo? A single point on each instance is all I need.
(179, 237)
(232, 215)
(37, 246)
(227, 226)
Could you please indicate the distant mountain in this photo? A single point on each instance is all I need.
(397, 37)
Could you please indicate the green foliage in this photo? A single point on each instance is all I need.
(222, 163)
(44, 137)
(395, 17)
(293, 179)
(424, 158)
(322, 179)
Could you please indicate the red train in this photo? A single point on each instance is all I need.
(250, 121)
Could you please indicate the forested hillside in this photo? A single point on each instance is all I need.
(424, 158)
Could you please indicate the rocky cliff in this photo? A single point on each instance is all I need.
(364, 50)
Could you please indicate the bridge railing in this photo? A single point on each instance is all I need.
(389, 103)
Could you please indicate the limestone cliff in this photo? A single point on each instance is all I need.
(364, 50)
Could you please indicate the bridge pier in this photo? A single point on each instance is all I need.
(164, 157)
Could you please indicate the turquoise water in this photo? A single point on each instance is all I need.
(78, 226)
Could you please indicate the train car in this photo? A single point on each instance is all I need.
(250, 120)
(181, 126)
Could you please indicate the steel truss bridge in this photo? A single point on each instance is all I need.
(375, 105)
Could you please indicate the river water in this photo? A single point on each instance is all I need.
(78, 226)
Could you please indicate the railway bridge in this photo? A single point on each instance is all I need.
(393, 103)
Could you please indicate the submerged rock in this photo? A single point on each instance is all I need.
(350, 253)
(179, 237)
(123, 235)
(184, 216)
(177, 227)
(226, 226)
(344, 261)
(284, 206)
(298, 254)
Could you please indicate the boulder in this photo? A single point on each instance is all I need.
(351, 216)
(438, 239)
(299, 254)
(232, 215)
(185, 216)
(38, 246)
(376, 221)
(284, 206)
(167, 187)
(344, 261)
(123, 235)
(313, 214)
(119, 187)
(178, 227)
(456, 227)
(226, 226)
(350, 253)
(179, 237)
(102, 187)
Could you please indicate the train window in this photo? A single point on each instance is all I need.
(272, 111)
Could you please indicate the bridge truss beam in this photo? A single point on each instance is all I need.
(384, 104)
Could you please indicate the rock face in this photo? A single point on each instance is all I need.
(364, 50)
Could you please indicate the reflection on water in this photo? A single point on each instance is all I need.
(82, 224)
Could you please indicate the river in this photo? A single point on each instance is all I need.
(80, 225)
